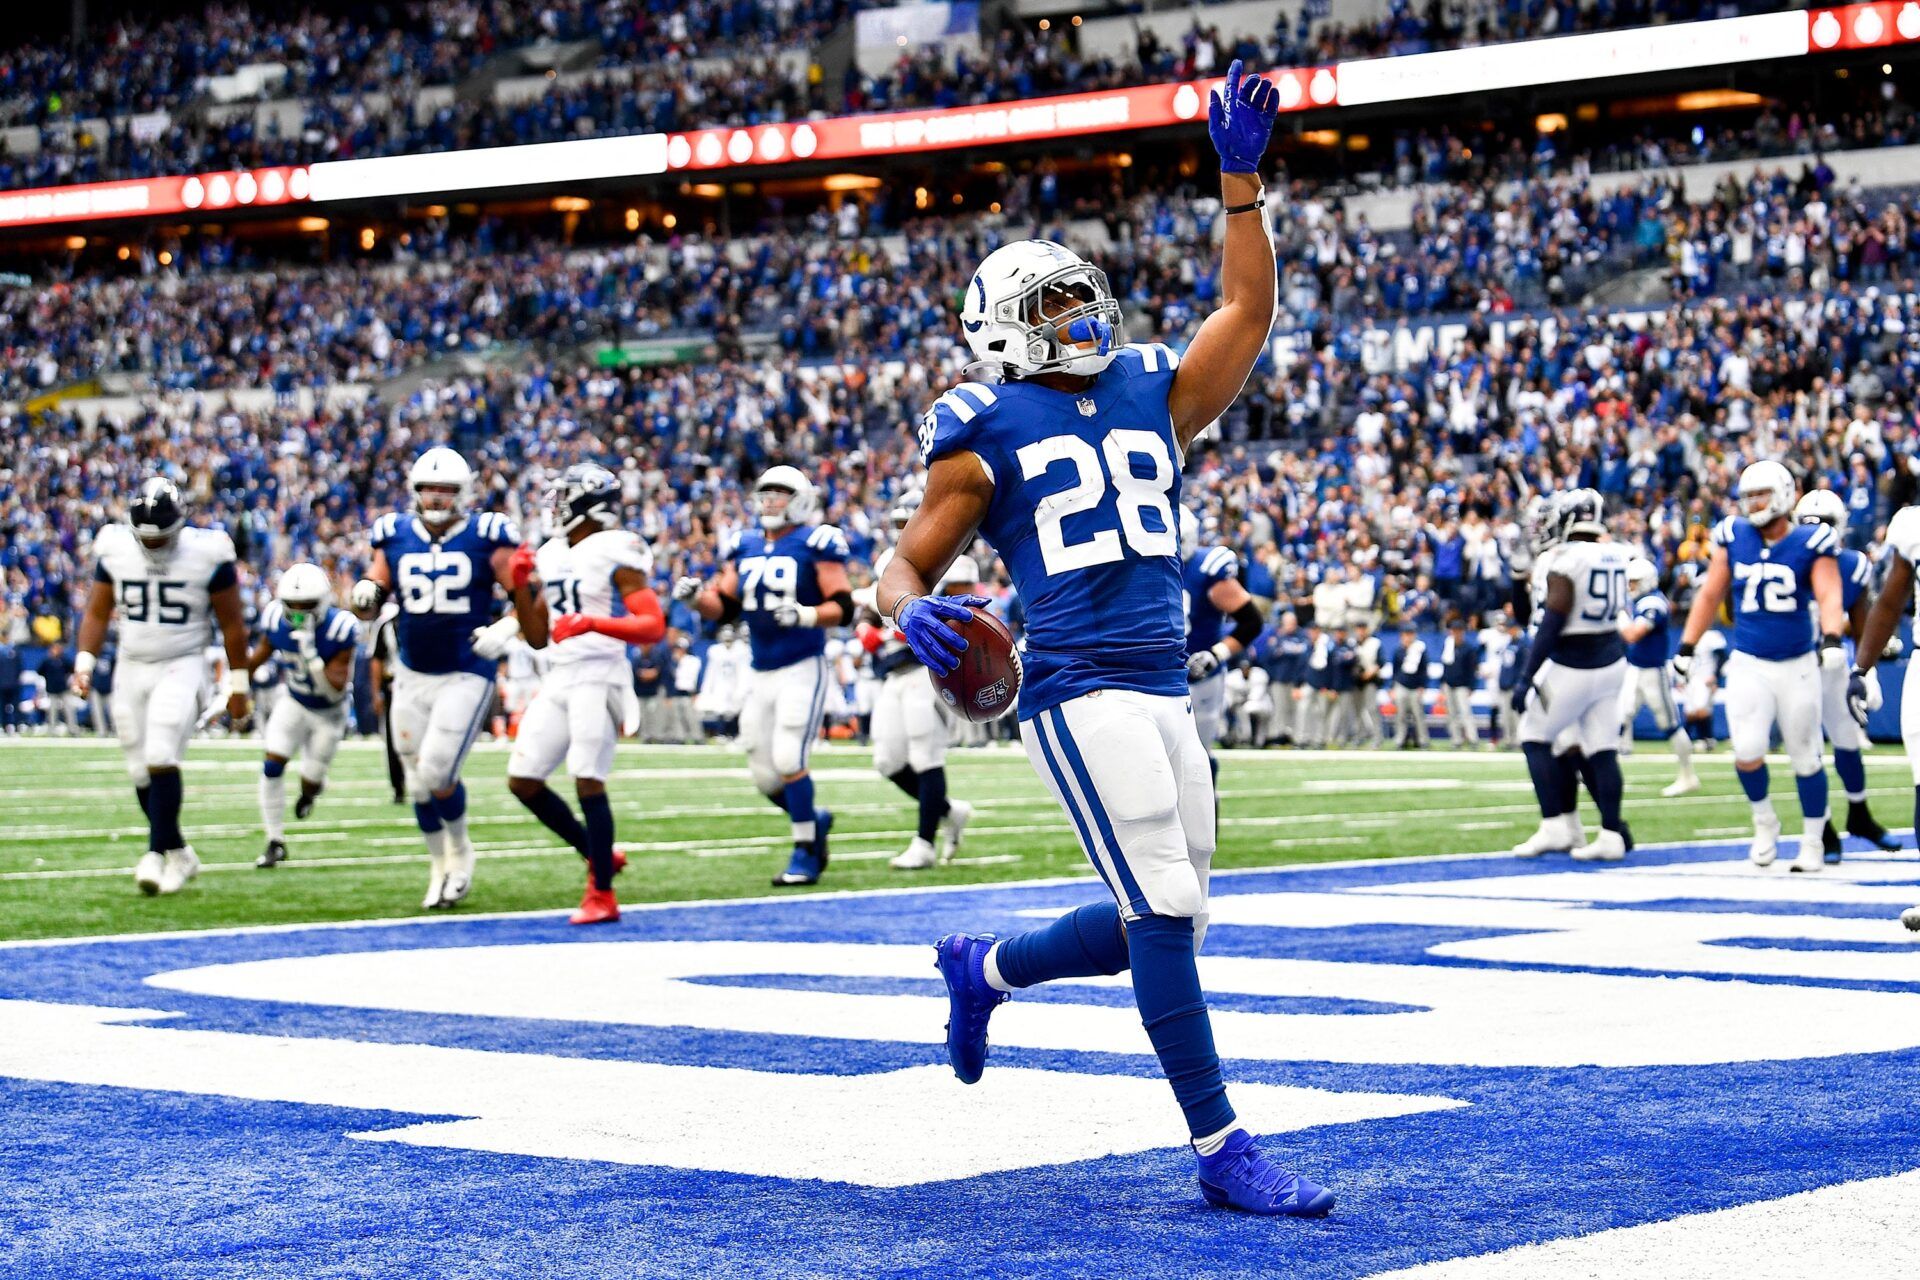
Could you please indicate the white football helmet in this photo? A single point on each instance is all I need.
(784, 496)
(903, 508)
(1189, 532)
(440, 468)
(963, 572)
(303, 590)
(1540, 523)
(1580, 511)
(1822, 506)
(1642, 577)
(1038, 307)
(1770, 485)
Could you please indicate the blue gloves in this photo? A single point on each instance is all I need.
(1521, 696)
(923, 623)
(1241, 120)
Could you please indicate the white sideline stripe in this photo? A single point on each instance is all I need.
(1853, 1229)
(831, 895)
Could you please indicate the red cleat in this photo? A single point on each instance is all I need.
(599, 906)
(619, 859)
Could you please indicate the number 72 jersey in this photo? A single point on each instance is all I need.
(1772, 590)
(1084, 486)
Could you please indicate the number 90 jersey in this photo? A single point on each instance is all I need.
(444, 588)
(1598, 574)
(1772, 589)
(777, 571)
(163, 604)
(1084, 488)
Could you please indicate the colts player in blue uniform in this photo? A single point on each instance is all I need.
(1849, 738)
(1069, 465)
(1210, 585)
(788, 581)
(1776, 571)
(442, 564)
(315, 644)
(1644, 628)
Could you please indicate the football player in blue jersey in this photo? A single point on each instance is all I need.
(1776, 571)
(1644, 627)
(442, 563)
(314, 643)
(787, 580)
(1824, 506)
(1210, 585)
(1065, 454)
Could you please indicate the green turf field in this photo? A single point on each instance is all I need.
(694, 827)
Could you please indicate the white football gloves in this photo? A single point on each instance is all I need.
(492, 640)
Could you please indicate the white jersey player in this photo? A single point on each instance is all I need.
(171, 584)
(1879, 638)
(1576, 664)
(594, 601)
(911, 725)
(316, 644)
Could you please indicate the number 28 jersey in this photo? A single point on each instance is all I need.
(1772, 589)
(444, 587)
(164, 603)
(1084, 487)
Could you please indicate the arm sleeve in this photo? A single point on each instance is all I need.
(224, 576)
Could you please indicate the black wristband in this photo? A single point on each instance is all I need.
(1258, 202)
(1685, 651)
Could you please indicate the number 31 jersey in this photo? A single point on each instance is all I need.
(163, 603)
(578, 578)
(444, 588)
(1084, 487)
(1772, 589)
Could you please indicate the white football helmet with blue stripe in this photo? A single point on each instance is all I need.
(1038, 307)
(1822, 506)
(802, 499)
(1772, 482)
(441, 468)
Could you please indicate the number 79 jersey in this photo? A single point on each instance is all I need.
(1084, 487)
(1772, 590)
(783, 570)
(444, 587)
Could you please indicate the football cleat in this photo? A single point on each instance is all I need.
(1830, 843)
(598, 907)
(1766, 839)
(1551, 837)
(1861, 823)
(619, 859)
(182, 865)
(1239, 1177)
(803, 867)
(822, 828)
(1608, 846)
(303, 806)
(275, 854)
(459, 882)
(436, 881)
(1812, 854)
(971, 1000)
(147, 871)
(953, 827)
(1911, 918)
(918, 856)
(1682, 785)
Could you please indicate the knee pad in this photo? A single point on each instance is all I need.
(137, 770)
(788, 751)
(765, 777)
(273, 768)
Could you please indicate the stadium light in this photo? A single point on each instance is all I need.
(443, 172)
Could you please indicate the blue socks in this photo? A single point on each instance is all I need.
(454, 807)
(799, 807)
(1606, 784)
(164, 794)
(427, 816)
(1166, 987)
(557, 818)
(1813, 794)
(1754, 783)
(598, 811)
(1545, 769)
(1853, 773)
(933, 801)
(1086, 942)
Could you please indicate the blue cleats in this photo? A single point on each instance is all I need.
(822, 825)
(1239, 1177)
(803, 868)
(970, 1001)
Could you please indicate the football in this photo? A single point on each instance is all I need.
(987, 681)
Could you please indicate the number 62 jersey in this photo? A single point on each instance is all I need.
(1772, 588)
(444, 587)
(163, 602)
(1084, 487)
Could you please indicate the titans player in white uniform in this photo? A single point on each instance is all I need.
(788, 581)
(315, 644)
(1879, 638)
(172, 584)
(593, 602)
(1070, 466)
(1210, 584)
(1776, 571)
(1576, 664)
(1824, 506)
(1648, 684)
(911, 724)
(442, 565)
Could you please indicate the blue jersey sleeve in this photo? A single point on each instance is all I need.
(1218, 564)
(1150, 367)
(496, 530)
(341, 631)
(383, 530)
(1651, 609)
(956, 422)
(826, 542)
(1724, 532)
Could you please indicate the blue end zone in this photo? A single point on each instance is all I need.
(110, 1182)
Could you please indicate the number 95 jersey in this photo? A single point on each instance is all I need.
(1772, 588)
(444, 588)
(1084, 487)
(163, 603)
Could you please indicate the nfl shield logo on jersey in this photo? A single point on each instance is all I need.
(1087, 407)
